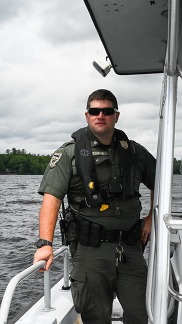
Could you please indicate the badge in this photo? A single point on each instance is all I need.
(55, 158)
(124, 144)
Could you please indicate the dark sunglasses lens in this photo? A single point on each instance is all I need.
(94, 111)
(105, 111)
(108, 111)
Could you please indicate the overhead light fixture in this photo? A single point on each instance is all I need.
(102, 66)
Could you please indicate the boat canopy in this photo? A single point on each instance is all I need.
(134, 33)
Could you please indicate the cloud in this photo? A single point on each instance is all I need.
(11, 9)
(67, 24)
(46, 75)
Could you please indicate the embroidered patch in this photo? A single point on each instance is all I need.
(84, 152)
(124, 144)
(55, 158)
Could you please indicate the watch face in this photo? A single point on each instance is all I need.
(40, 243)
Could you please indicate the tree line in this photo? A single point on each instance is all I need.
(177, 166)
(16, 161)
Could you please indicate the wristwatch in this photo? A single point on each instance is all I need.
(41, 242)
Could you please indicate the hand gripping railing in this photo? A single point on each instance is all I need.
(8, 295)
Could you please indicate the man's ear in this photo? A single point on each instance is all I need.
(117, 116)
(86, 116)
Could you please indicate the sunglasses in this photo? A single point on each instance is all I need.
(105, 111)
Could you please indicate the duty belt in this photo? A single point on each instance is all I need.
(113, 236)
(92, 234)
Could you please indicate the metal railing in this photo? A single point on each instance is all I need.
(158, 280)
(8, 295)
(173, 221)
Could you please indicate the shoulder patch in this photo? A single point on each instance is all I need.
(55, 158)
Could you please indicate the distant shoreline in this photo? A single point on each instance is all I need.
(8, 173)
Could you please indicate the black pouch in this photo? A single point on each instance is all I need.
(95, 234)
(84, 226)
(72, 234)
(90, 233)
(134, 234)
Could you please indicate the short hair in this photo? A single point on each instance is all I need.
(102, 94)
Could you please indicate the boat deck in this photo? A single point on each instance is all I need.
(62, 310)
(56, 305)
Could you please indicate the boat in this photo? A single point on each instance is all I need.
(139, 37)
(56, 304)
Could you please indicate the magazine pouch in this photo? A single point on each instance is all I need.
(90, 233)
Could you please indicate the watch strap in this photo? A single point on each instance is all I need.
(41, 242)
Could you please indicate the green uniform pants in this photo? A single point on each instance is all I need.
(95, 279)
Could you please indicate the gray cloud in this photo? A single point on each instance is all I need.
(11, 9)
(67, 24)
(46, 75)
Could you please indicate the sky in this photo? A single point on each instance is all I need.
(46, 75)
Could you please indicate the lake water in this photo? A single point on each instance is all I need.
(20, 204)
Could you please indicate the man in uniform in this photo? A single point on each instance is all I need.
(100, 171)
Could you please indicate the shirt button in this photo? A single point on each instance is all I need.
(117, 208)
(114, 178)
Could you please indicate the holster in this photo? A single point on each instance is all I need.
(69, 227)
(134, 234)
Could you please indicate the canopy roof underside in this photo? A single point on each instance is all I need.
(133, 32)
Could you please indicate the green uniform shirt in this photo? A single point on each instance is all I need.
(61, 178)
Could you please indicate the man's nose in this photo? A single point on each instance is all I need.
(101, 115)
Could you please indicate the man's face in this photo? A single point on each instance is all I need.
(102, 125)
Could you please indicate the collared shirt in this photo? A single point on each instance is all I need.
(61, 178)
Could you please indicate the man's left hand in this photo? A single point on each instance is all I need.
(146, 230)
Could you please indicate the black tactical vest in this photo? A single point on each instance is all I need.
(85, 166)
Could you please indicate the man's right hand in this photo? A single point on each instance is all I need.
(44, 253)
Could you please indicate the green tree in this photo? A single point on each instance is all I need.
(14, 150)
(19, 162)
(2, 166)
(176, 166)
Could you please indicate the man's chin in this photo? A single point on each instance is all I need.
(101, 131)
